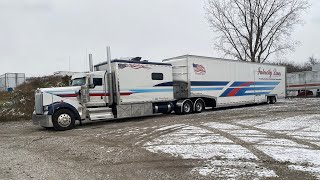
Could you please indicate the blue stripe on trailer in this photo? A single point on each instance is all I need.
(257, 93)
(197, 83)
(209, 83)
(151, 90)
(259, 88)
(206, 89)
(164, 84)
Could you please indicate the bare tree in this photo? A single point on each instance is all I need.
(311, 62)
(252, 30)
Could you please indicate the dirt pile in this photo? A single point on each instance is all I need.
(19, 104)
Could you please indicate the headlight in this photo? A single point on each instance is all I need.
(46, 108)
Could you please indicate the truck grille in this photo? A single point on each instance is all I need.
(38, 103)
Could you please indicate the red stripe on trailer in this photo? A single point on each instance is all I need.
(98, 94)
(67, 95)
(303, 85)
(126, 94)
(246, 84)
(94, 94)
(236, 90)
(121, 94)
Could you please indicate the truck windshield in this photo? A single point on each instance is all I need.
(78, 82)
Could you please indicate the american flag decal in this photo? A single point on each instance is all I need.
(199, 69)
(133, 66)
(138, 66)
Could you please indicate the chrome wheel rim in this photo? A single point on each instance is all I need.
(64, 120)
(187, 107)
(199, 107)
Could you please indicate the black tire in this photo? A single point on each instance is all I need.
(187, 107)
(63, 120)
(271, 100)
(199, 106)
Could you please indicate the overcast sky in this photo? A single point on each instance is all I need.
(38, 37)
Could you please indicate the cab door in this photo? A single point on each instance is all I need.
(97, 93)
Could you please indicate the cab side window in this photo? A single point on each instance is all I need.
(157, 76)
(97, 81)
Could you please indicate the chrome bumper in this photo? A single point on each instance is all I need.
(42, 120)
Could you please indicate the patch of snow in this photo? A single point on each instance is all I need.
(281, 142)
(204, 151)
(293, 155)
(254, 121)
(308, 138)
(217, 125)
(312, 170)
(187, 139)
(251, 139)
(247, 131)
(292, 123)
(193, 130)
(163, 128)
(234, 169)
(306, 133)
(223, 160)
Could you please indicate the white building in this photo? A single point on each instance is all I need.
(9, 81)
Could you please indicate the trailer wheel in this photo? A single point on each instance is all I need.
(63, 120)
(199, 106)
(271, 100)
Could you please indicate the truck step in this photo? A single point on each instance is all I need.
(94, 104)
(101, 116)
(100, 110)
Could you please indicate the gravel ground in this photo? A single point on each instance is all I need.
(280, 141)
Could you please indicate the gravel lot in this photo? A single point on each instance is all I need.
(280, 141)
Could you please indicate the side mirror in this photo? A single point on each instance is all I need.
(91, 86)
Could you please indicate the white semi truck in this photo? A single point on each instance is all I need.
(134, 88)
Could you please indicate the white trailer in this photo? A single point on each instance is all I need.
(134, 88)
(222, 82)
(302, 83)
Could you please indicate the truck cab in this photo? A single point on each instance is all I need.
(117, 89)
(60, 107)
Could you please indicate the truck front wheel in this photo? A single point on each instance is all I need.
(63, 119)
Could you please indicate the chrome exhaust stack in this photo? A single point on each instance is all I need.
(109, 76)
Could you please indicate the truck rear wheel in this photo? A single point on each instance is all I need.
(187, 107)
(199, 106)
(63, 119)
(184, 106)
